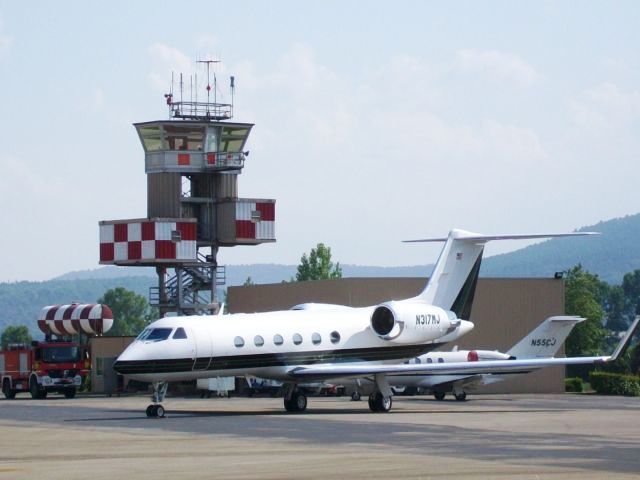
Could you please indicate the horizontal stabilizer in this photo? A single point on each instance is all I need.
(476, 237)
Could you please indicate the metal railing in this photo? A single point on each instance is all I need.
(201, 110)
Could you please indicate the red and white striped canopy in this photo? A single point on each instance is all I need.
(91, 318)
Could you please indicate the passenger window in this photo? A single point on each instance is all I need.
(418, 360)
(277, 339)
(316, 339)
(429, 360)
(334, 337)
(180, 333)
(440, 360)
(258, 340)
(297, 338)
(238, 342)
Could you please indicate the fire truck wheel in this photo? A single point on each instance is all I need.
(6, 389)
(70, 392)
(35, 390)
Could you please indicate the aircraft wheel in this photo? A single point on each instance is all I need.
(300, 401)
(355, 396)
(289, 406)
(159, 411)
(439, 395)
(379, 403)
(461, 397)
(297, 403)
(149, 411)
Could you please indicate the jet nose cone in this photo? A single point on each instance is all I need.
(117, 367)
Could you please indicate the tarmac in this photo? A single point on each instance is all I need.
(488, 436)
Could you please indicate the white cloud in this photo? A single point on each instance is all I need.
(166, 59)
(605, 106)
(496, 66)
(208, 46)
(18, 179)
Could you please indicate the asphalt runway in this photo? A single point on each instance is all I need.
(489, 436)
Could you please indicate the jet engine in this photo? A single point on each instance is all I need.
(411, 322)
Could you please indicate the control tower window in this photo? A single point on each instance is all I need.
(151, 138)
(233, 139)
(211, 140)
(180, 137)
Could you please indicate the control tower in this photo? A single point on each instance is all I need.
(192, 162)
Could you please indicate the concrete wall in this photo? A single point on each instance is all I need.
(504, 311)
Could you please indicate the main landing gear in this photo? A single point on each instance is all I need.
(379, 403)
(380, 400)
(156, 410)
(294, 399)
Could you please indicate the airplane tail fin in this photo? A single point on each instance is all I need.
(546, 339)
(453, 281)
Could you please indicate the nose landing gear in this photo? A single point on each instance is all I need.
(156, 410)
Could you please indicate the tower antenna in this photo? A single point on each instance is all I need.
(209, 62)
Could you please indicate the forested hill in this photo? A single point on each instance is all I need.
(610, 255)
(21, 302)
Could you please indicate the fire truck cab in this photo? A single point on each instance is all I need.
(43, 367)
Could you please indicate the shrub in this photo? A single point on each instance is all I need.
(573, 384)
(615, 383)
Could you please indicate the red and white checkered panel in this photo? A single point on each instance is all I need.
(139, 241)
(91, 318)
(255, 220)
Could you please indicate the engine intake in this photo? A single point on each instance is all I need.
(382, 320)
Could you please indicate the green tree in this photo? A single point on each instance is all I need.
(131, 312)
(15, 334)
(616, 307)
(584, 294)
(248, 282)
(631, 288)
(318, 265)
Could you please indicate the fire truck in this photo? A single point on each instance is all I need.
(57, 364)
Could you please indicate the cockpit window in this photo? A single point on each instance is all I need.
(144, 334)
(154, 334)
(180, 333)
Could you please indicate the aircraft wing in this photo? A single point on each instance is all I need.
(456, 368)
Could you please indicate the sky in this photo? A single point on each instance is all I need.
(374, 121)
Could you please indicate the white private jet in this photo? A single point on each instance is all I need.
(310, 345)
(542, 342)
